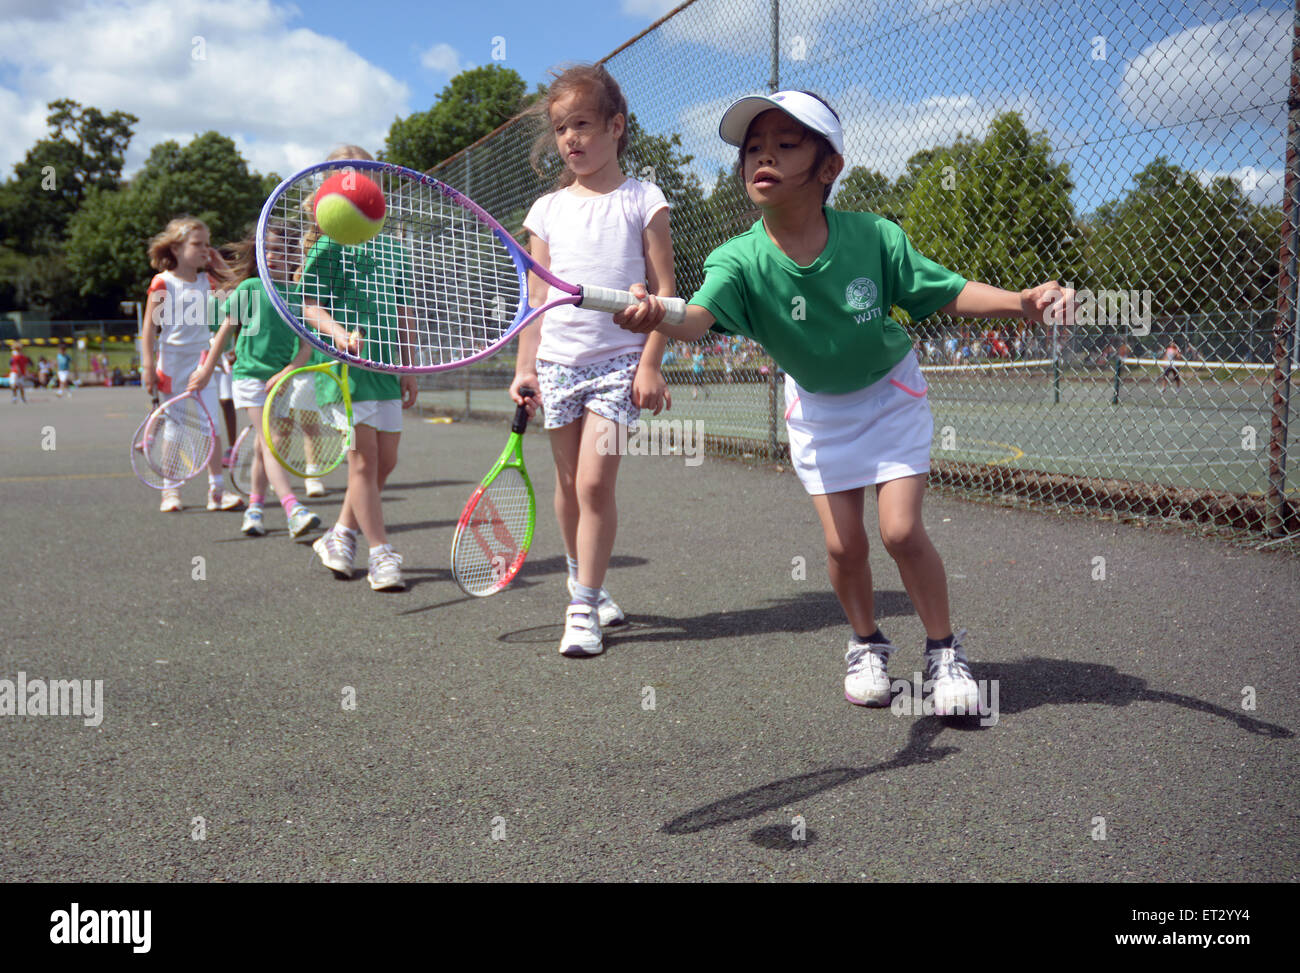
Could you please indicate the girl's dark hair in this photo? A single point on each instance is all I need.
(823, 146)
(243, 260)
(595, 82)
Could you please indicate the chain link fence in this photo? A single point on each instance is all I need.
(1139, 152)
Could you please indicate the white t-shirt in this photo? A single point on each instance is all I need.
(185, 314)
(593, 240)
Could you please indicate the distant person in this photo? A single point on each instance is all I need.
(1170, 356)
(697, 375)
(63, 362)
(18, 365)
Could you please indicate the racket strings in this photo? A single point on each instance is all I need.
(241, 462)
(140, 465)
(434, 287)
(178, 439)
(493, 539)
(308, 424)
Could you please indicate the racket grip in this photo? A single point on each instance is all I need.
(521, 412)
(612, 301)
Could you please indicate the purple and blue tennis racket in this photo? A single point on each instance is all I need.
(441, 285)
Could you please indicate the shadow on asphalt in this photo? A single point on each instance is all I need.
(798, 614)
(1037, 682)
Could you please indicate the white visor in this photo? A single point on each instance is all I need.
(801, 107)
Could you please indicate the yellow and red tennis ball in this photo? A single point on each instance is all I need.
(350, 208)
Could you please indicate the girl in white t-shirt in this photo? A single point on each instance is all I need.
(603, 228)
(179, 307)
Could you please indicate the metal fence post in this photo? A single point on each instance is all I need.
(772, 414)
(774, 82)
(1284, 330)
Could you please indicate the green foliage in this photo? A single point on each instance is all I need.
(996, 210)
(208, 178)
(472, 105)
(864, 190)
(83, 151)
(659, 159)
(1198, 248)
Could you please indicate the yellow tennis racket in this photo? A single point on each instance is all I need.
(307, 419)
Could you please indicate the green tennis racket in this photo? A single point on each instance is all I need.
(307, 419)
(496, 527)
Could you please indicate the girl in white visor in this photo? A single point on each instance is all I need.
(814, 286)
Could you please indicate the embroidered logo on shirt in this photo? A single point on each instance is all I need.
(862, 293)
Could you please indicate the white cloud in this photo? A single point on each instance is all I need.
(286, 95)
(880, 134)
(1260, 185)
(444, 59)
(1219, 69)
(648, 8)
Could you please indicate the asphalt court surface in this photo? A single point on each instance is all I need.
(476, 752)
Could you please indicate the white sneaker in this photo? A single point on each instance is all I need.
(171, 501)
(301, 520)
(314, 487)
(386, 571)
(230, 500)
(336, 552)
(581, 633)
(253, 525)
(955, 691)
(867, 683)
(607, 612)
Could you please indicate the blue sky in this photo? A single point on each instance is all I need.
(286, 80)
(289, 81)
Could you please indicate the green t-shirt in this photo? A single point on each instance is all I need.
(265, 344)
(363, 288)
(827, 324)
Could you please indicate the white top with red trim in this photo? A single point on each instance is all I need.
(185, 314)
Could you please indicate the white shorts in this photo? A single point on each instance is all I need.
(177, 369)
(65, 376)
(248, 393)
(873, 435)
(384, 415)
(224, 390)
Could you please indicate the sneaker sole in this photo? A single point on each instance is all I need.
(873, 703)
(391, 586)
(253, 531)
(310, 525)
(339, 572)
(579, 652)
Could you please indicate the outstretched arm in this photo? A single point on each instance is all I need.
(978, 300)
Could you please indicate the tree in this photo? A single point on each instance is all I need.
(207, 178)
(1198, 248)
(84, 150)
(996, 210)
(472, 105)
(865, 190)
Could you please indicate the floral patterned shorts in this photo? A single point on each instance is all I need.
(604, 387)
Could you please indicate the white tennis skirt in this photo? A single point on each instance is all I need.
(874, 435)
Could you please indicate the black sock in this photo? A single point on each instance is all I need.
(875, 638)
(932, 644)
